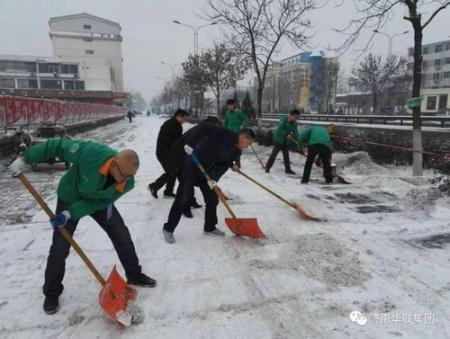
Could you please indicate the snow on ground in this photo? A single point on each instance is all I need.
(384, 252)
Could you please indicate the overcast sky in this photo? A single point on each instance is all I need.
(150, 36)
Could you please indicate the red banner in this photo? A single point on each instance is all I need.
(15, 111)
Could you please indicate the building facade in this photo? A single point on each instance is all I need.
(96, 43)
(435, 90)
(32, 72)
(306, 80)
(86, 64)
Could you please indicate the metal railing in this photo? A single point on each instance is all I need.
(404, 120)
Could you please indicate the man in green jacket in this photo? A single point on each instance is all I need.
(318, 141)
(287, 127)
(234, 117)
(97, 178)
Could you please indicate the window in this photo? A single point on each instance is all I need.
(425, 50)
(437, 62)
(27, 83)
(51, 84)
(7, 83)
(424, 64)
(79, 84)
(437, 76)
(448, 46)
(89, 52)
(447, 61)
(89, 39)
(48, 68)
(87, 26)
(438, 48)
(17, 66)
(69, 69)
(431, 103)
(68, 84)
(446, 75)
(443, 102)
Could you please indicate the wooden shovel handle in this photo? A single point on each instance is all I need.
(267, 189)
(63, 231)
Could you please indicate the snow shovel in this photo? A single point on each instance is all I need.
(115, 292)
(318, 163)
(257, 157)
(241, 226)
(294, 205)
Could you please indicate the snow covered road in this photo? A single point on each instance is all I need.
(376, 254)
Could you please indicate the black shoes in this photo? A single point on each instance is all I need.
(188, 213)
(141, 280)
(289, 172)
(169, 195)
(51, 304)
(153, 191)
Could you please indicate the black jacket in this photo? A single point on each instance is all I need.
(170, 131)
(214, 146)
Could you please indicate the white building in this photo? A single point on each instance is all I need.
(33, 72)
(435, 90)
(95, 43)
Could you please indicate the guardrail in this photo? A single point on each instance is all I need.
(18, 111)
(431, 121)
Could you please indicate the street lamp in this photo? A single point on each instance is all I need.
(195, 30)
(390, 38)
(172, 67)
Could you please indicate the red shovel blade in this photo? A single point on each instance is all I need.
(114, 296)
(247, 227)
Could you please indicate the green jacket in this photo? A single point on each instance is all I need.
(234, 120)
(315, 135)
(82, 187)
(284, 128)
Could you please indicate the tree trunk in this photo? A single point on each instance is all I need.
(417, 121)
(259, 101)
(218, 103)
(374, 103)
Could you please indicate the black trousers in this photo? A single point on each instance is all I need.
(325, 156)
(276, 149)
(59, 250)
(164, 179)
(183, 199)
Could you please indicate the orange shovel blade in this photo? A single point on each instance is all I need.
(304, 213)
(115, 294)
(247, 227)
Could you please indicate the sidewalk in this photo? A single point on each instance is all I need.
(303, 281)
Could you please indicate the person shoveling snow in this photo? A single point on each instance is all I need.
(98, 177)
(217, 148)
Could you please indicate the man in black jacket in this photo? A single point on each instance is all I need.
(170, 131)
(216, 148)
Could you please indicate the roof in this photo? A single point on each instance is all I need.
(83, 15)
(34, 58)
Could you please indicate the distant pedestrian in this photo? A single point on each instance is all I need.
(170, 132)
(130, 116)
(318, 141)
(287, 127)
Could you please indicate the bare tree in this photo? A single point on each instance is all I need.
(374, 14)
(196, 77)
(255, 29)
(223, 69)
(373, 75)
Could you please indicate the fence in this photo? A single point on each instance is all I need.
(17, 111)
(430, 121)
